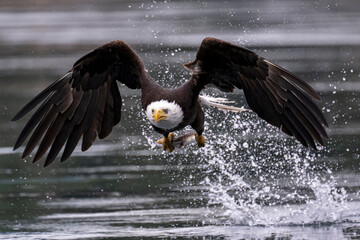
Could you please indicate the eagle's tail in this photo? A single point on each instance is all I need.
(219, 103)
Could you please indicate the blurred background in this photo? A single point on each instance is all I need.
(249, 182)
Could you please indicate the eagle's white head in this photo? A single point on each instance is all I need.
(164, 114)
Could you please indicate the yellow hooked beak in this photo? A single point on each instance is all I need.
(159, 115)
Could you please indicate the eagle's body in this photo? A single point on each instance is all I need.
(183, 97)
(86, 101)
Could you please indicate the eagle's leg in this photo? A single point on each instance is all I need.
(200, 140)
(166, 142)
(198, 126)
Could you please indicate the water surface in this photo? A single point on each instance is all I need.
(250, 182)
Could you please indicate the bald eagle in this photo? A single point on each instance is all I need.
(86, 101)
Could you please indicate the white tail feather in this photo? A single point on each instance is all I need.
(218, 103)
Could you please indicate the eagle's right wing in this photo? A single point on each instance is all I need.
(276, 95)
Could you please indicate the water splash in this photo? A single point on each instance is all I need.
(254, 175)
(259, 179)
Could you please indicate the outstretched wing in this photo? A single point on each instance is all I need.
(85, 102)
(276, 95)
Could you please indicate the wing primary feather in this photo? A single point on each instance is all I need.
(41, 96)
(109, 114)
(34, 120)
(55, 98)
(305, 122)
(79, 129)
(291, 128)
(281, 99)
(86, 142)
(43, 127)
(95, 126)
(67, 127)
(311, 106)
(289, 121)
(39, 131)
(269, 109)
(293, 79)
(99, 112)
(304, 109)
(300, 128)
(53, 129)
(117, 102)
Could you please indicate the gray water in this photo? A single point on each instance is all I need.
(249, 182)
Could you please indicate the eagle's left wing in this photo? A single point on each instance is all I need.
(85, 102)
(276, 95)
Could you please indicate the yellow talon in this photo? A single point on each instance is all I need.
(167, 142)
(200, 140)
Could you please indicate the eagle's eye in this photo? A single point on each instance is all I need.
(152, 110)
(166, 111)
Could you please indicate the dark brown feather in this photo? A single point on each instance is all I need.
(85, 102)
(39, 98)
(86, 142)
(67, 127)
(79, 128)
(53, 129)
(55, 98)
(275, 94)
(39, 132)
(109, 113)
